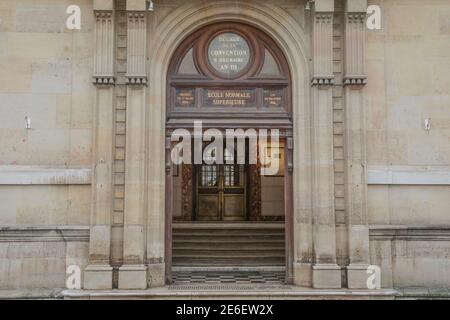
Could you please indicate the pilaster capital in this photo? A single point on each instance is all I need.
(138, 80)
(136, 14)
(323, 17)
(355, 80)
(322, 80)
(355, 17)
(107, 80)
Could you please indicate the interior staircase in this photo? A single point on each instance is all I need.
(228, 245)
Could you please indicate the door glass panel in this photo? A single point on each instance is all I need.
(230, 172)
(208, 176)
(231, 175)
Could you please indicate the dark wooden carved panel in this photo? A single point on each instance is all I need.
(273, 98)
(254, 192)
(185, 98)
(187, 201)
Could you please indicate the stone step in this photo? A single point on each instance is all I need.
(227, 261)
(228, 247)
(229, 233)
(251, 244)
(261, 252)
(228, 239)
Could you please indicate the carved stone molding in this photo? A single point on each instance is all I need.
(103, 80)
(410, 233)
(355, 80)
(322, 80)
(44, 234)
(136, 80)
(356, 17)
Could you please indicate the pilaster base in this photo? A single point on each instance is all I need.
(303, 274)
(133, 277)
(98, 277)
(156, 275)
(357, 276)
(326, 276)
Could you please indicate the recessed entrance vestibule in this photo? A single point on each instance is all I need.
(224, 213)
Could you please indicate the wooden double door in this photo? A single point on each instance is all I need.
(221, 192)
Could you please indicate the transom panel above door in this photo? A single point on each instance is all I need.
(229, 71)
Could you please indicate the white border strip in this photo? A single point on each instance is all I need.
(408, 175)
(36, 175)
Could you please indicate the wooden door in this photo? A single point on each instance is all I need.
(221, 192)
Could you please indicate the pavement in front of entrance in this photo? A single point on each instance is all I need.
(251, 277)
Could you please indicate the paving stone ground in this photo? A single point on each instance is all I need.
(253, 277)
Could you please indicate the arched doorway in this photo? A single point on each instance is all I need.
(230, 76)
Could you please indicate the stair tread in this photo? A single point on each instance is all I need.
(210, 245)
(230, 256)
(228, 241)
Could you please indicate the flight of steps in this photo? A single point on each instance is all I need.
(228, 244)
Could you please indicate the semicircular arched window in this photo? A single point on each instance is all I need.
(229, 71)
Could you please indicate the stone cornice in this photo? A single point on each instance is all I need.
(38, 175)
(409, 175)
(44, 233)
(410, 232)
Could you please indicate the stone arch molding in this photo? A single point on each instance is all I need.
(292, 39)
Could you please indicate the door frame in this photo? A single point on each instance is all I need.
(288, 206)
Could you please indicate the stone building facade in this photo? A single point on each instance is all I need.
(85, 172)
